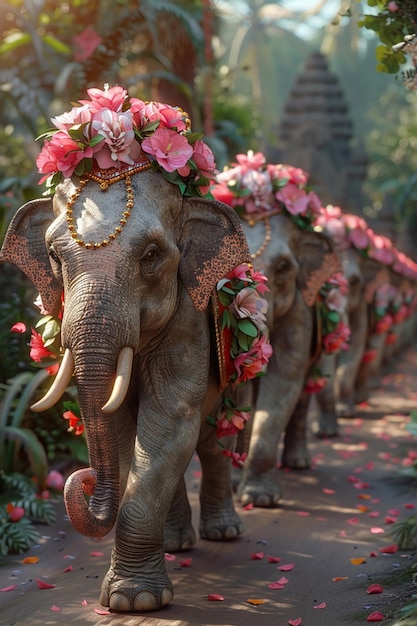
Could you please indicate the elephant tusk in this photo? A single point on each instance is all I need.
(59, 385)
(122, 380)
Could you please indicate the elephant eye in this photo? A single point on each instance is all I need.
(282, 266)
(150, 258)
(53, 254)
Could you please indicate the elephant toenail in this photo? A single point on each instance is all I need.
(119, 602)
(145, 601)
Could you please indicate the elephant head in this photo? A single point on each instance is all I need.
(121, 295)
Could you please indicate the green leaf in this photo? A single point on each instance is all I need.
(333, 316)
(248, 327)
(57, 45)
(16, 40)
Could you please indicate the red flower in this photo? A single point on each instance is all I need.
(19, 327)
(75, 425)
(37, 348)
(15, 512)
(237, 459)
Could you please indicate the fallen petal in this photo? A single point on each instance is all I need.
(283, 580)
(257, 556)
(186, 562)
(409, 505)
(286, 568)
(303, 513)
(392, 549)
(320, 606)
(169, 557)
(4, 589)
(68, 569)
(375, 588)
(328, 492)
(276, 585)
(255, 601)
(376, 531)
(84, 602)
(248, 507)
(55, 608)
(273, 559)
(353, 520)
(337, 578)
(376, 616)
(358, 560)
(102, 612)
(30, 559)
(295, 622)
(96, 553)
(373, 553)
(43, 585)
(215, 597)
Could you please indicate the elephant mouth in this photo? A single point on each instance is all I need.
(66, 370)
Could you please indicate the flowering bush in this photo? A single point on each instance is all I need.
(253, 187)
(111, 130)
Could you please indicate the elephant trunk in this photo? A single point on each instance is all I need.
(102, 480)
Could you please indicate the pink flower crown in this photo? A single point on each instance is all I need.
(112, 131)
(256, 189)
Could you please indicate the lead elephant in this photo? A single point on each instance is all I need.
(277, 217)
(137, 262)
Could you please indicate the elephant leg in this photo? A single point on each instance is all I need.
(279, 392)
(369, 371)
(179, 533)
(349, 362)
(218, 518)
(326, 402)
(295, 453)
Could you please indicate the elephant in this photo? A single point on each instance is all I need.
(136, 314)
(297, 261)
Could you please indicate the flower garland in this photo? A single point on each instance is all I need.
(255, 188)
(242, 323)
(242, 309)
(113, 132)
(331, 306)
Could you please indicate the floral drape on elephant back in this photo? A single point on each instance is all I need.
(390, 292)
(111, 137)
(257, 191)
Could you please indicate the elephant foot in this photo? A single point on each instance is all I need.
(135, 594)
(346, 410)
(296, 456)
(178, 539)
(327, 428)
(263, 492)
(219, 522)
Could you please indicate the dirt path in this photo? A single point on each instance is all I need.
(341, 509)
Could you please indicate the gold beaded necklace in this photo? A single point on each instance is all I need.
(105, 179)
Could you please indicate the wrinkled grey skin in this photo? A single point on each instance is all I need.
(136, 292)
(281, 404)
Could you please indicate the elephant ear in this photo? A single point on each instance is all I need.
(24, 246)
(318, 262)
(211, 243)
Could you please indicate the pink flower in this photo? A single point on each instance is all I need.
(85, 44)
(77, 115)
(251, 161)
(231, 422)
(359, 238)
(338, 339)
(111, 98)
(171, 150)
(383, 325)
(19, 327)
(260, 187)
(167, 116)
(248, 303)
(203, 157)
(392, 6)
(55, 480)
(237, 459)
(336, 301)
(293, 175)
(15, 513)
(336, 230)
(119, 137)
(315, 383)
(294, 199)
(61, 154)
(249, 364)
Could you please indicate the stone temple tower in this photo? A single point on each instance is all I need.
(315, 133)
